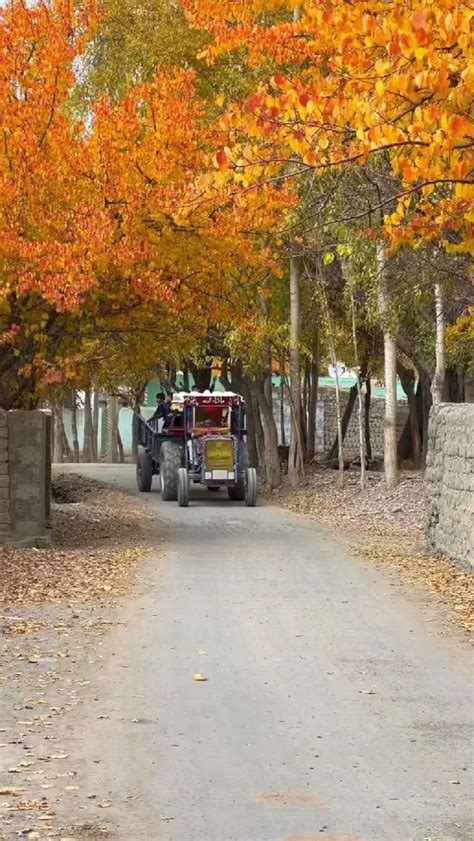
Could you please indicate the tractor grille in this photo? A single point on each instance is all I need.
(219, 454)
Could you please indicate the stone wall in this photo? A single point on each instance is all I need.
(450, 481)
(326, 422)
(25, 478)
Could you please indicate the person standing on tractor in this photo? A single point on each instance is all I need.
(162, 411)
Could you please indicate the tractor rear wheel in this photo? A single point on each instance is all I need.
(144, 470)
(237, 492)
(170, 461)
(183, 488)
(251, 488)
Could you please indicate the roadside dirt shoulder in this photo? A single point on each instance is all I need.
(56, 605)
(388, 528)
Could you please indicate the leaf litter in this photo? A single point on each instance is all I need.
(387, 528)
(56, 602)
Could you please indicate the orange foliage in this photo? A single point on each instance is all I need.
(366, 79)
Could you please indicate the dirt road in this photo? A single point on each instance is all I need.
(334, 706)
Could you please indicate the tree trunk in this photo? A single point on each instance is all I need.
(282, 401)
(75, 437)
(259, 434)
(88, 446)
(112, 429)
(367, 401)
(270, 436)
(359, 395)
(253, 419)
(121, 453)
(390, 367)
(407, 379)
(58, 448)
(296, 456)
(312, 404)
(95, 425)
(426, 401)
(333, 357)
(202, 377)
(438, 379)
(345, 420)
(62, 450)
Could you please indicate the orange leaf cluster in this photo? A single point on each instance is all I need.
(365, 79)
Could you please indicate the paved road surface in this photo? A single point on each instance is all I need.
(334, 708)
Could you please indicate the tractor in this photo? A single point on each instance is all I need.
(203, 445)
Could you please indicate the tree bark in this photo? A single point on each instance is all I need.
(390, 367)
(270, 436)
(121, 453)
(345, 420)
(367, 402)
(282, 400)
(296, 456)
(312, 404)
(95, 425)
(88, 446)
(359, 395)
(112, 429)
(75, 437)
(61, 444)
(407, 379)
(426, 401)
(437, 383)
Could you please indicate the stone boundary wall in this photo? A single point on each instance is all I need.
(450, 481)
(326, 422)
(25, 478)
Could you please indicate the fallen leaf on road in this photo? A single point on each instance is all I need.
(105, 805)
(200, 678)
(13, 790)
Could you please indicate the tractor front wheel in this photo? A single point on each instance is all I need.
(183, 488)
(170, 463)
(251, 488)
(144, 470)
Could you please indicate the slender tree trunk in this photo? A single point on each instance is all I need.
(367, 402)
(112, 429)
(345, 420)
(62, 450)
(252, 421)
(439, 375)
(75, 437)
(426, 401)
(121, 453)
(312, 404)
(88, 446)
(296, 456)
(333, 358)
(407, 379)
(259, 434)
(270, 435)
(390, 366)
(282, 400)
(359, 395)
(95, 425)
(58, 442)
